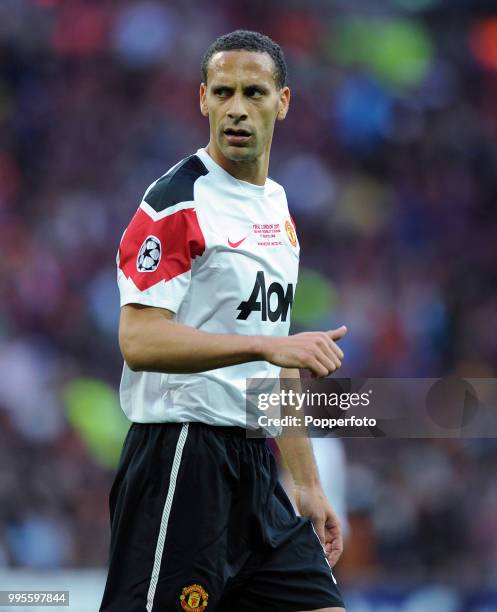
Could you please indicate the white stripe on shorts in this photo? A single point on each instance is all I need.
(165, 516)
(325, 557)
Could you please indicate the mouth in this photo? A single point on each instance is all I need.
(237, 136)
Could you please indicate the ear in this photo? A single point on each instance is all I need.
(203, 101)
(283, 103)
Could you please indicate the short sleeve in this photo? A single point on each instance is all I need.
(155, 256)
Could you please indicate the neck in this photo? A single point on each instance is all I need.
(254, 171)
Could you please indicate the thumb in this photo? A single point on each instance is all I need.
(336, 334)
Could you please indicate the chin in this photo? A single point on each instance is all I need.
(239, 154)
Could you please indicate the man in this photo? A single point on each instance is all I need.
(207, 271)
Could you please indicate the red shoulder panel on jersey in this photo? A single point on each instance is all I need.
(181, 240)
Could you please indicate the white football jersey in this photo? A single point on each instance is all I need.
(223, 255)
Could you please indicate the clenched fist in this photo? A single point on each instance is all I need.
(314, 351)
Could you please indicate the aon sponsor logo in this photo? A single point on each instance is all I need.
(273, 303)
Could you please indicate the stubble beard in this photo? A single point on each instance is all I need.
(239, 154)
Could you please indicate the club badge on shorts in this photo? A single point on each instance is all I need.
(194, 598)
(290, 232)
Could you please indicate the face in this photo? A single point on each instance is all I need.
(243, 102)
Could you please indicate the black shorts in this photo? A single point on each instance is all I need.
(200, 522)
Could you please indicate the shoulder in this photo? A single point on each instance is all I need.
(275, 188)
(176, 185)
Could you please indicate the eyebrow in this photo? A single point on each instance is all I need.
(256, 86)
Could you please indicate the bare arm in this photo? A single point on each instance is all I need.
(296, 450)
(150, 340)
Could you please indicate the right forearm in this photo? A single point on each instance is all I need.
(160, 345)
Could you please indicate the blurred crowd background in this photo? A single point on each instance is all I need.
(389, 158)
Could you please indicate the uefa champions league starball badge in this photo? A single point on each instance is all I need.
(149, 255)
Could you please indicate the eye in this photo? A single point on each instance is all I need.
(254, 92)
(221, 92)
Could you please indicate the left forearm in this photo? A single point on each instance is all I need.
(308, 493)
(296, 448)
(299, 458)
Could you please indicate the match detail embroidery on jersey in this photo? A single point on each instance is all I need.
(267, 234)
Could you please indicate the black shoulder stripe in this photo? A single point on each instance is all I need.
(177, 185)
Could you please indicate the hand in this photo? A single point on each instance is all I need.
(314, 351)
(313, 504)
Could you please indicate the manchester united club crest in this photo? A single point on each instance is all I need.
(194, 598)
(290, 232)
(149, 255)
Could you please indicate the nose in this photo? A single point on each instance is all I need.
(236, 110)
